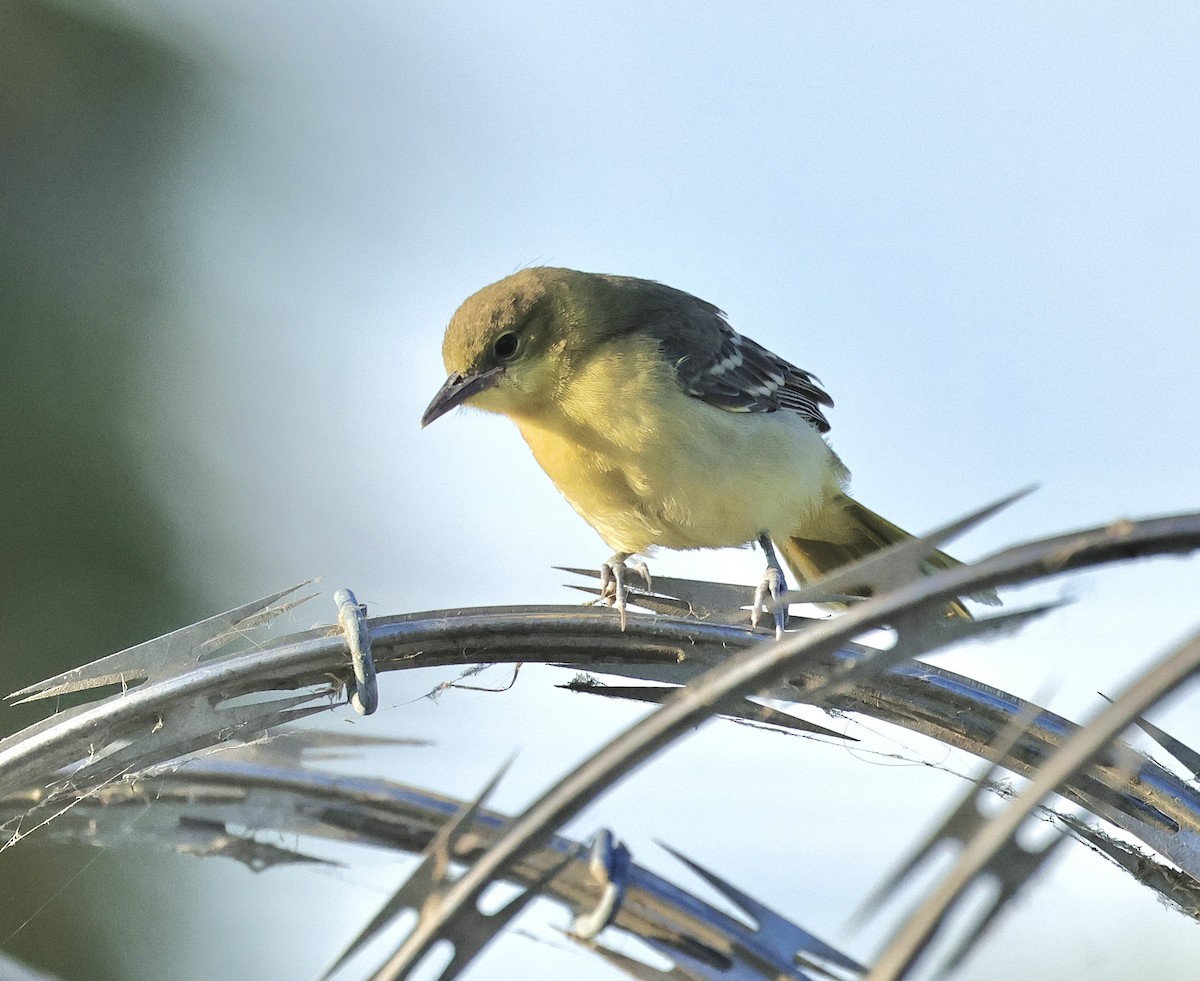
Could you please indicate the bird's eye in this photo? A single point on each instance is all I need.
(505, 346)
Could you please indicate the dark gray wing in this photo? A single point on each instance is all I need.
(715, 363)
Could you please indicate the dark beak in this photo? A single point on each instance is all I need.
(456, 391)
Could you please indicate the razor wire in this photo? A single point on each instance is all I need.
(205, 684)
(190, 808)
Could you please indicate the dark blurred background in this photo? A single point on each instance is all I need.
(92, 115)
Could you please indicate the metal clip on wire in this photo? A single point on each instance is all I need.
(608, 864)
(352, 615)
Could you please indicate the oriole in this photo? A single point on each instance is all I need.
(659, 423)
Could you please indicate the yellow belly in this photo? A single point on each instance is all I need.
(681, 474)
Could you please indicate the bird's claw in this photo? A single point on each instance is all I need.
(643, 570)
(771, 585)
(613, 591)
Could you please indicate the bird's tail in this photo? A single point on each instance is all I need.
(854, 534)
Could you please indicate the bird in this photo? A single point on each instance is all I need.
(662, 426)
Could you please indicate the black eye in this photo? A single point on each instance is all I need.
(505, 346)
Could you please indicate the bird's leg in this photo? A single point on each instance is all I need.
(774, 583)
(613, 590)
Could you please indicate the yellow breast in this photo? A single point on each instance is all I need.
(646, 464)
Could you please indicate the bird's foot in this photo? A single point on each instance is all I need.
(774, 585)
(770, 588)
(613, 591)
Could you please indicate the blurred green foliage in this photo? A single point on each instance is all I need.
(91, 113)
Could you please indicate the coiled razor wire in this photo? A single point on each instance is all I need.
(189, 808)
(188, 680)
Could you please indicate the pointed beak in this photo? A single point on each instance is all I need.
(456, 391)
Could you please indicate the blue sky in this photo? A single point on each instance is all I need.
(978, 224)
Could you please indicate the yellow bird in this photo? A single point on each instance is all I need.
(660, 424)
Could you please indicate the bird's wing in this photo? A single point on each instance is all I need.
(715, 363)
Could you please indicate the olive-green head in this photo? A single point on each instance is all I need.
(509, 347)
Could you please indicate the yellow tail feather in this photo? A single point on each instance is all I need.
(860, 532)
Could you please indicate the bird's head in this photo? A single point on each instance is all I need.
(508, 347)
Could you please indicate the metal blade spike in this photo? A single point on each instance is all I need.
(723, 602)
(965, 820)
(779, 935)
(1012, 867)
(472, 931)
(316, 745)
(1074, 756)
(205, 841)
(707, 598)
(738, 968)
(960, 825)
(405, 898)
(428, 877)
(207, 650)
(1181, 751)
(152, 658)
(634, 968)
(663, 605)
(1175, 886)
(1145, 813)
(916, 633)
(923, 634)
(189, 729)
(901, 563)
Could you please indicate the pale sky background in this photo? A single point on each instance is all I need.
(979, 224)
